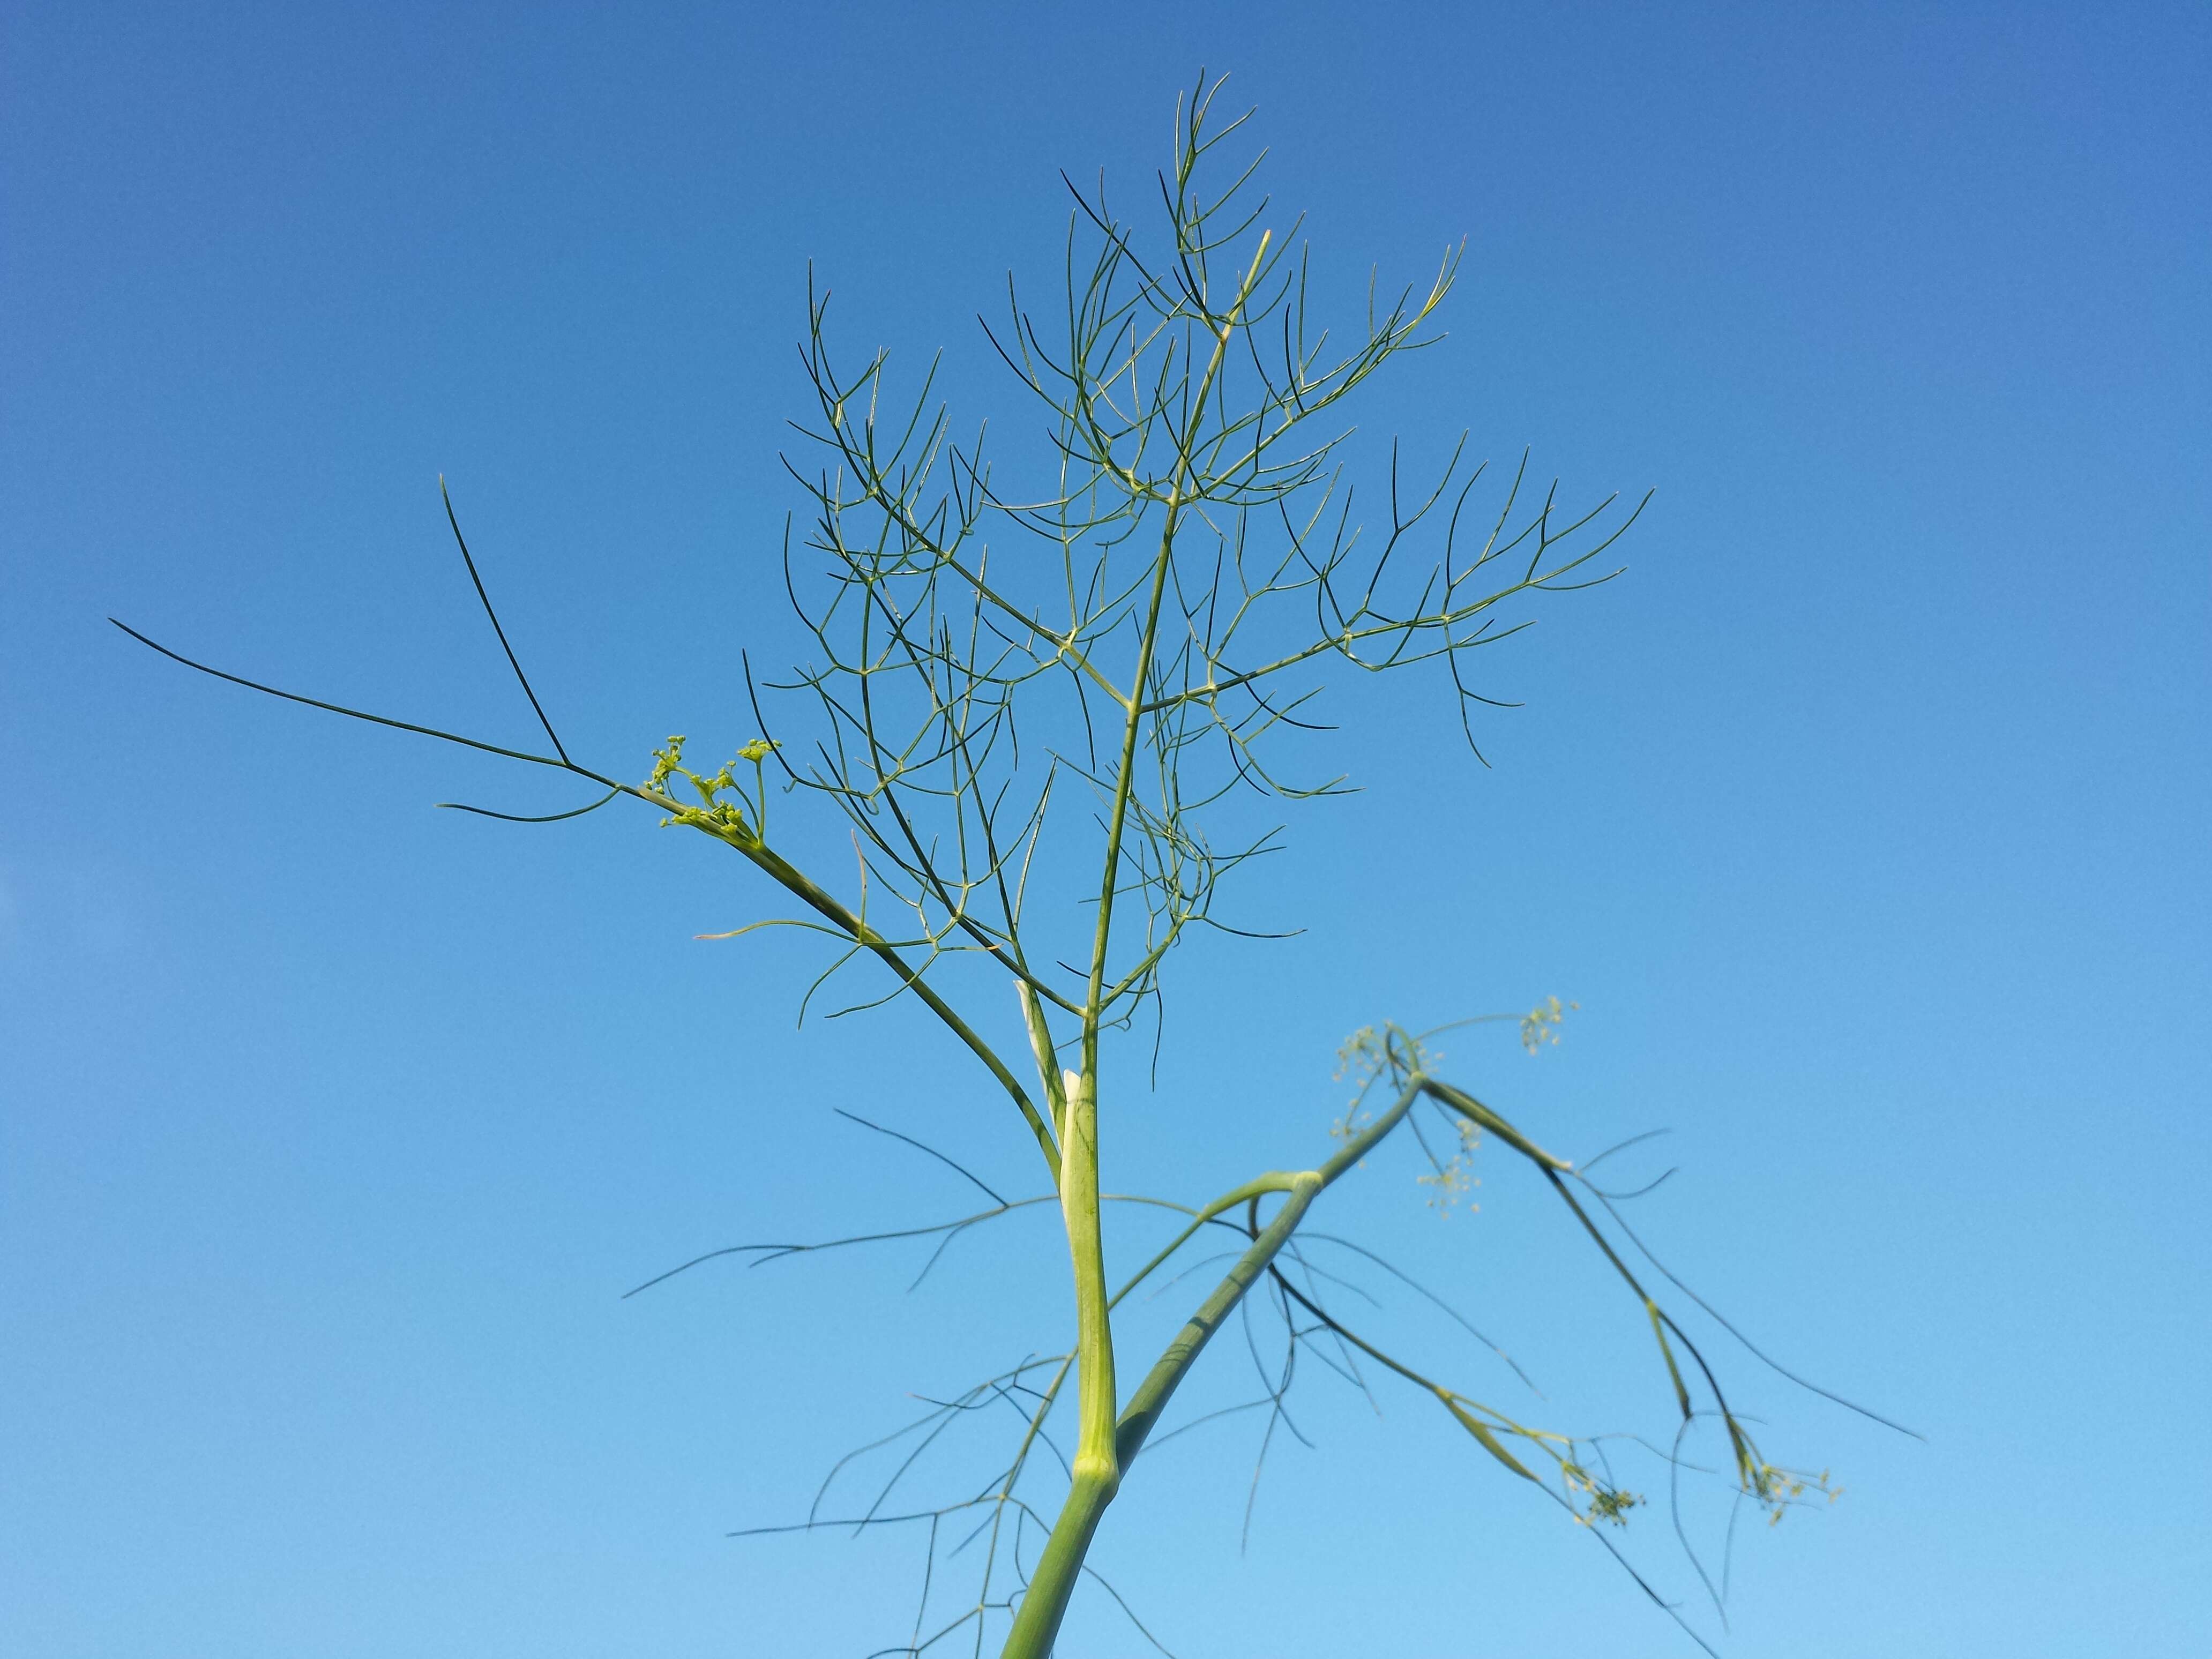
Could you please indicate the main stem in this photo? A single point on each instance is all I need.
(1097, 1474)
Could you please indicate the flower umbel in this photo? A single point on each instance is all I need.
(1540, 1026)
(724, 809)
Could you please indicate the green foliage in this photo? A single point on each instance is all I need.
(1027, 708)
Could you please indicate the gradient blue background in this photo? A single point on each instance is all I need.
(1866, 817)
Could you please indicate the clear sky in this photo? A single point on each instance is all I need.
(1865, 818)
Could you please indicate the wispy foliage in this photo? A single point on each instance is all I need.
(1178, 584)
(1029, 705)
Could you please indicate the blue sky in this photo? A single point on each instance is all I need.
(1864, 816)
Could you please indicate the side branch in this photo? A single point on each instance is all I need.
(777, 867)
(1152, 1396)
(792, 880)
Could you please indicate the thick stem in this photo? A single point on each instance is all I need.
(1094, 1370)
(1098, 1471)
(1037, 1622)
(1044, 1604)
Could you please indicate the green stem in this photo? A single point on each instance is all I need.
(795, 882)
(1275, 1180)
(1152, 1396)
(1097, 1468)
(1096, 1472)
(1125, 775)
(1168, 1372)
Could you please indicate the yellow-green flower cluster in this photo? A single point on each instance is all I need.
(1779, 1489)
(1540, 1026)
(725, 810)
(1455, 1178)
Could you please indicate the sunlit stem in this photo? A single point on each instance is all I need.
(795, 882)
(1098, 1470)
(1175, 1363)
(1125, 772)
